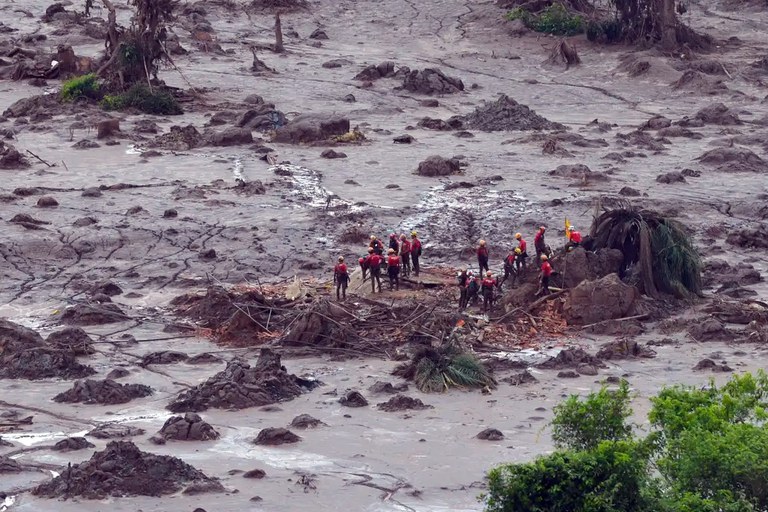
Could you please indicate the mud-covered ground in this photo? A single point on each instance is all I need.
(372, 460)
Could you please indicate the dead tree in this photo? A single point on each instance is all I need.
(278, 35)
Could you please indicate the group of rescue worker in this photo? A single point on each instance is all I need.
(403, 256)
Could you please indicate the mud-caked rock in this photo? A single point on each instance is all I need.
(709, 364)
(582, 265)
(47, 202)
(305, 421)
(579, 172)
(734, 159)
(623, 348)
(230, 137)
(121, 469)
(438, 166)
(718, 114)
(71, 444)
(595, 301)
(380, 387)
(111, 430)
(374, 72)
(163, 357)
(431, 81)
(312, 128)
(106, 392)
(571, 358)
(11, 158)
(73, 340)
(107, 128)
(189, 427)
(490, 434)
(403, 403)
(353, 399)
(8, 465)
(505, 114)
(93, 314)
(240, 386)
(24, 355)
(276, 436)
(518, 379)
(204, 358)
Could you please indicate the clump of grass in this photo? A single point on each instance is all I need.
(142, 98)
(555, 20)
(437, 369)
(83, 86)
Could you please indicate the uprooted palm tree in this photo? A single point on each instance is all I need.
(660, 248)
(437, 369)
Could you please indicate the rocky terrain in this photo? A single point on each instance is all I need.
(147, 261)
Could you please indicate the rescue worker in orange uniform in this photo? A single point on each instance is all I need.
(546, 272)
(393, 269)
(488, 285)
(340, 278)
(520, 259)
(482, 257)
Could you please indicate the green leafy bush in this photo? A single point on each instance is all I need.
(142, 98)
(437, 369)
(83, 86)
(555, 19)
(606, 479)
(709, 448)
(602, 416)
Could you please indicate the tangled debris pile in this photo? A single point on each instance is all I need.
(121, 469)
(24, 355)
(73, 340)
(105, 392)
(239, 386)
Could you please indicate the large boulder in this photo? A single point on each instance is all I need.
(579, 265)
(230, 137)
(431, 81)
(595, 301)
(438, 166)
(312, 128)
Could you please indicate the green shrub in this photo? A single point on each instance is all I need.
(608, 478)
(555, 19)
(602, 416)
(142, 98)
(83, 86)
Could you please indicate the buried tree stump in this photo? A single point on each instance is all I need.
(564, 54)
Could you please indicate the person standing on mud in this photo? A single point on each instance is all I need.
(463, 279)
(489, 283)
(509, 267)
(374, 267)
(393, 269)
(393, 244)
(376, 245)
(341, 278)
(539, 243)
(473, 288)
(482, 256)
(415, 252)
(523, 246)
(546, 272)
(405, 255)
(364, 262)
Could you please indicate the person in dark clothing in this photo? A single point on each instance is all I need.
(405, 255)
(393, 269)
(509, 267)
(376, 245)
(415, 252)
(489, 283)
(393, 243)
(374, 267)
(364, 266)
(463, 279)
(473, 289)
(546, 272)
(340, 278)
(482, 257)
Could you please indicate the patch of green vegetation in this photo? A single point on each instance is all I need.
(142, 98)
(707, 452)
(438, 369)
(83, 86)
(555, 20)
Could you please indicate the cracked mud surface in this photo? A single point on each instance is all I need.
(53, 258)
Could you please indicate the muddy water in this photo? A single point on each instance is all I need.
(373, 461)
